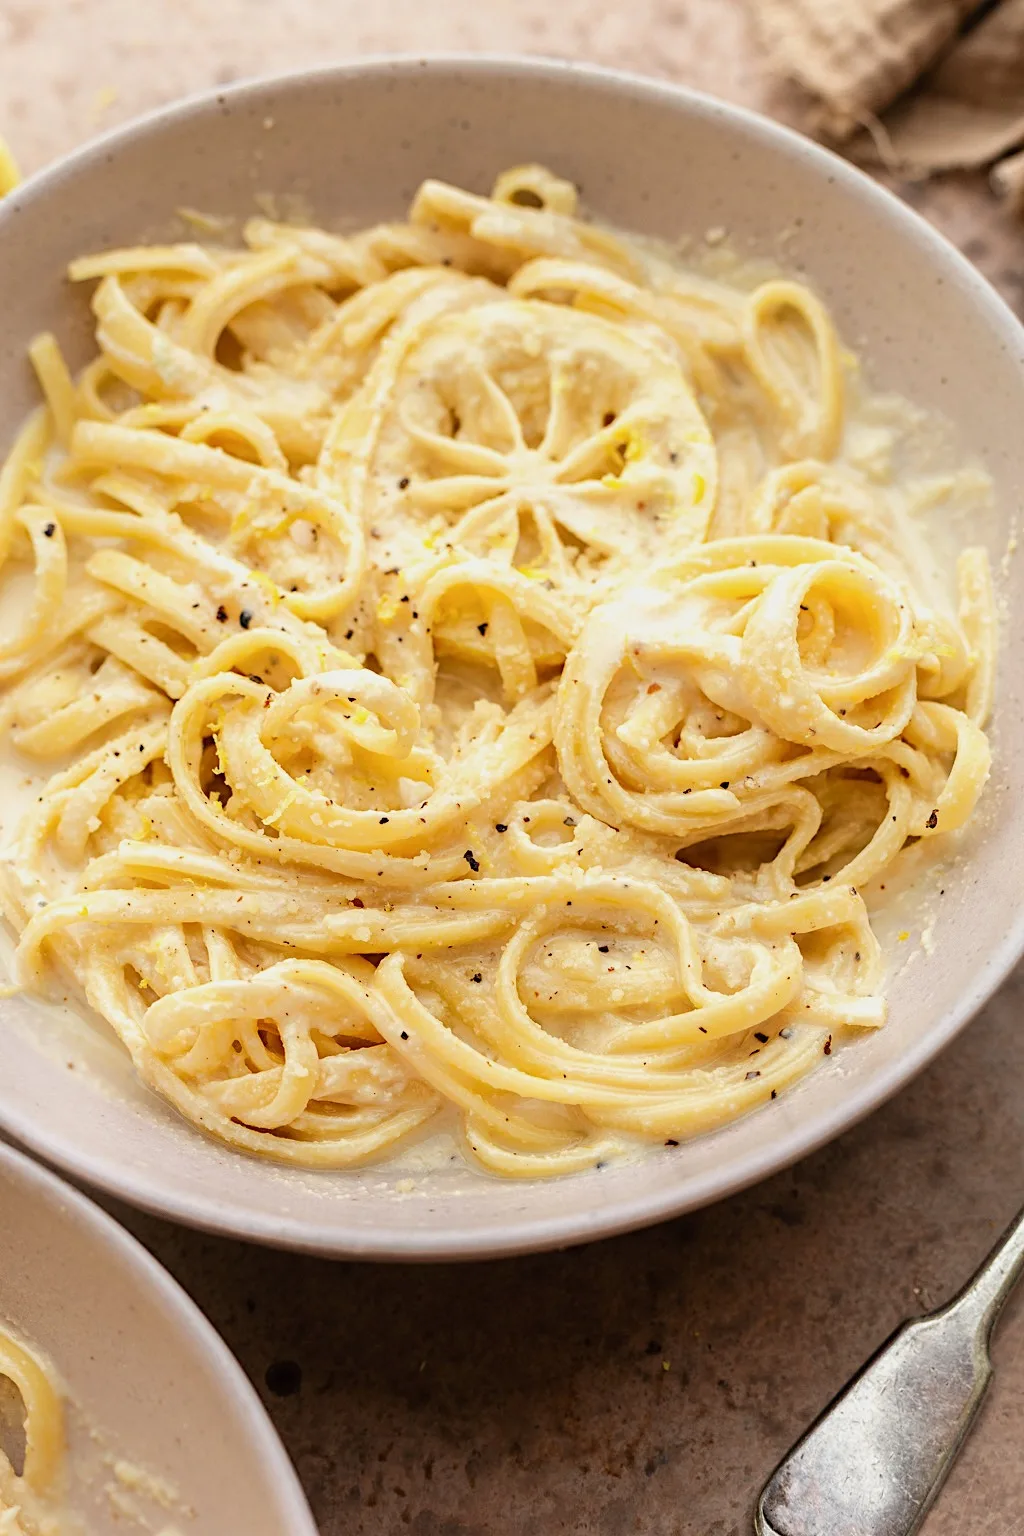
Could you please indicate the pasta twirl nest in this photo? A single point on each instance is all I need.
(477, 683)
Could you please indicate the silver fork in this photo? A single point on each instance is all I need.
(875, 1460)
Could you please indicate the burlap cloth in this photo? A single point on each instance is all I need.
(923, 85)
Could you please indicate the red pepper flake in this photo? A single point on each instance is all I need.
(356, 902)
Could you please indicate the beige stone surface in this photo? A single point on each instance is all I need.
(646, 1384)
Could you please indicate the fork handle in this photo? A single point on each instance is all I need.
(877, 1457)
(984, 1296)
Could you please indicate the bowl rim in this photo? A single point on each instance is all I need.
(69, 1207)
(627, 1212)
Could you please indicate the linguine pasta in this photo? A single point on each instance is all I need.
(31, 1500)
(473, 676)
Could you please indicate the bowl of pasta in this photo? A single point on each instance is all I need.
(121, 1411)
(499, 655)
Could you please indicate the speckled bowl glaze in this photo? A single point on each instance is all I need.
(351, 144)
(147, 1379)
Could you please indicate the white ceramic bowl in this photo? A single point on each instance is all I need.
(353, 142)
(148, 1379)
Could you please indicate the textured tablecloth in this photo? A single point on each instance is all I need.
(646, 1384)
